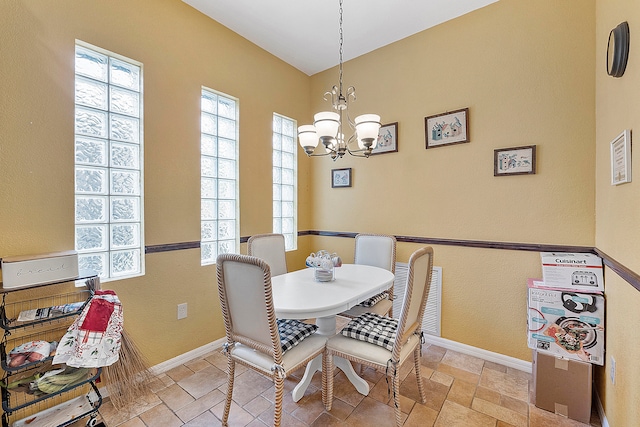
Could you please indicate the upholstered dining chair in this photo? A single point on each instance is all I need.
(254, 338)
(378, 250)
(271, 248)
(384, 343)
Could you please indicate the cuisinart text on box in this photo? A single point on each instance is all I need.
(576, 271)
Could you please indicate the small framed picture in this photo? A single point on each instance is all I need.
(387, 139)
(621, 158)
(514, 161)
(447, 128)
(340, 178)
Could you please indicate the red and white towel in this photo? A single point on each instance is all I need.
(94, 339)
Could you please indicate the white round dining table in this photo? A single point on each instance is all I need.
(297, 295)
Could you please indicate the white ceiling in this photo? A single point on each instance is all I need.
(305, 33)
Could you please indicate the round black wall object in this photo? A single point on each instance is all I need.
(618, 50)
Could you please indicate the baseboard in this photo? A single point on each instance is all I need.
(185, 357)
(601, 414)
(490, 356)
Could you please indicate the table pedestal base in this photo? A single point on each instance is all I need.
(316, 365)
(327, 327)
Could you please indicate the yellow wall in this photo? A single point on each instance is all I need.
(526, 76)
(617, 207)
(181, 50)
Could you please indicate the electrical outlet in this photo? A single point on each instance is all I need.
(182, 311)
(612, 370)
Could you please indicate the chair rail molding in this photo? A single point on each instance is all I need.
(630, 276)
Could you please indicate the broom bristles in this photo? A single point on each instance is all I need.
(127, 380)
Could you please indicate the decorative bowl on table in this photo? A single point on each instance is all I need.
(324, 265)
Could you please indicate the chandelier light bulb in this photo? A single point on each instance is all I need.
(327, 124)
(308, 138)
(367, 127)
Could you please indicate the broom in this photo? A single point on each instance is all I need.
(127, 380)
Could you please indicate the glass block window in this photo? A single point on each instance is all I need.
(219, 208)
(108, 164)
(285, 182)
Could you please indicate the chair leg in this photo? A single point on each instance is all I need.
(231, 367)
(396, 398)
(277, 411)
(416, 361)
(327, 380)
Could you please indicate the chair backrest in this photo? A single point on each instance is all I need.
(244, 286)
(378, 250)
(415, 297)
(270, 248)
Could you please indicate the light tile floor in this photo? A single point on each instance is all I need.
(461, 391)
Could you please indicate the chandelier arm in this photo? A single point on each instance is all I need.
(356, 153)
(333, 96)
(365, 150)
(351, 122)
(321, 154)
(351, 92)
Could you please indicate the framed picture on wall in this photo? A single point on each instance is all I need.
(621, 158)
(514, 161)
(387, 139)
(447, 128)
(340, 178)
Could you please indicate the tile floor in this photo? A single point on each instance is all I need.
(461, 391)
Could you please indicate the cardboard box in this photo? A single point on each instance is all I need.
(21, 271)
(576, 271)
(566, 324)
(562, 386)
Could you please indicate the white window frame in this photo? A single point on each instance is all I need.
(108, 252)
(211, 213)
(278, 149)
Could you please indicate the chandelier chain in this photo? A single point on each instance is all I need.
(341, 41)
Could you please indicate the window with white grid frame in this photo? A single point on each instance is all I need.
(109, 232)
(219, 225)
(285, 182)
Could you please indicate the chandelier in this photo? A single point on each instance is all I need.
(328, 128)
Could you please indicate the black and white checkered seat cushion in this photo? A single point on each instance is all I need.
(375, 299)
(373, 328)
(292, 332)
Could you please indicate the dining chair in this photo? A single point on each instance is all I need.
(254, 338)
(271, 248)
(378, 250)
(383, 343)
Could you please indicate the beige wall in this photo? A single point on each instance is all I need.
(617, 207)
(526, 76)
(181, 50)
